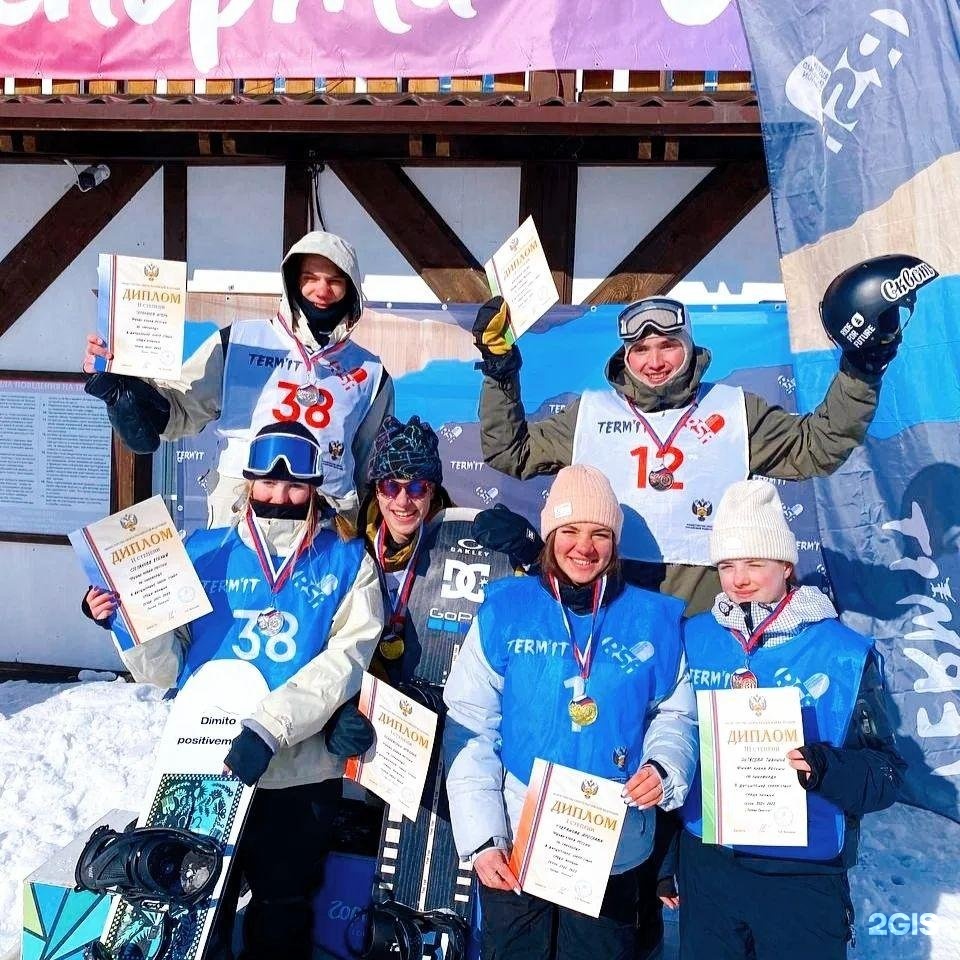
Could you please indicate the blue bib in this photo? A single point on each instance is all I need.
(826, 662)
(637, 655)
(279, 633)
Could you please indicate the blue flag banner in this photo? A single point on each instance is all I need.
(860, 109)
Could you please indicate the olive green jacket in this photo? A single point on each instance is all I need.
(783, 445)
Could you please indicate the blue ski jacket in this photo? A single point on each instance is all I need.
(508, 695)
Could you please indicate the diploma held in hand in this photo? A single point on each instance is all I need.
(395, 768)
(138, 555)
(567, 837)
(141, 312)
(751, 795)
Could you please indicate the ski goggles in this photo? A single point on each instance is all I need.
(301, 457)
(652, 315)
(416, 489)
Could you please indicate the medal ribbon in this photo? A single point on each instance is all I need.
(403, 594)
(751, 643)
(663, 445)
(309, 360)
(276, 577)
(583, 659)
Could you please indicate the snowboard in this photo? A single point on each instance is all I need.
(189, 791)
(418, 863)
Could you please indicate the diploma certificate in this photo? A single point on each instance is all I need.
(395, 768)
(141, 313)
(567, 838)
(751, 795)
(138, 554)
(519, 272)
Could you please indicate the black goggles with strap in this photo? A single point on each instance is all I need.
(652, 315)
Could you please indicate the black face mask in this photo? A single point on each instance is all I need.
(280, 511)
(322, 321)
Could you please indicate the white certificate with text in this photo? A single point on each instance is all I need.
(395, 768)
(141, 312)
(751, 794)
(138, 554)
(519, 272)
(567, 837)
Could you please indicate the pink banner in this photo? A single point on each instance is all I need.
(369, 38)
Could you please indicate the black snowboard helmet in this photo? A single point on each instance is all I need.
(861, 307)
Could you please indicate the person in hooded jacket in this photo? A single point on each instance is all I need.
(669, 440)
(781, 903)
(300, 366)
(295, 593)
(577, 667)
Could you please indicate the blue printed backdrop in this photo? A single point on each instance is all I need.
(860, 108)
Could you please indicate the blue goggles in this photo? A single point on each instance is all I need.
(654, 314)
(301, 457)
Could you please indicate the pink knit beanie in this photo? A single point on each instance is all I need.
(581, 494)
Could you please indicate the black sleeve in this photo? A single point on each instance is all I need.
(864, 774)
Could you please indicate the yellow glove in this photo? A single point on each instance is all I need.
(491, 330)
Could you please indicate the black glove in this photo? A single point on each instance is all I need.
(814, 755)
(138, 413)
(348, 733)
(500, 529)
(249, 756)
(872, 358)
(500, 360)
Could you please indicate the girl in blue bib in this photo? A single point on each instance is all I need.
(770, 902)
(572, 666)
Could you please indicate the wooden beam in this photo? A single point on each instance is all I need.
(297, 185)
(553, 83)
(548, 193)
(175, 211)
(61, 234)
(687, 234)
(415, 228)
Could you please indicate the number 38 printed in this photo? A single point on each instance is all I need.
(280, 646)
(315, 415)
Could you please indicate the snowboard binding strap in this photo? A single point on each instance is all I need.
(396, 932)
(157, 865)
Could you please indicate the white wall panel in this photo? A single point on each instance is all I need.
(616, 208)
(234, 218)
(41, 588)
(481, 204)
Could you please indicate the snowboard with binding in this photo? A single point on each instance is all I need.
(174, 864)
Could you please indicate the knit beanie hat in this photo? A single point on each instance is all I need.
(750, 525)
(581, 494)
(405, 451)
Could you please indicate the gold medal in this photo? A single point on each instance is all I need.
(391, 648)
(583, 712)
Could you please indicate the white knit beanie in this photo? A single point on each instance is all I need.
(750, 525)
(581, 494)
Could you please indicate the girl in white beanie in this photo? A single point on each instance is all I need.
(770, 902)
(575, 667)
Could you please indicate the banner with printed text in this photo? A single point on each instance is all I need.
(860, 108)
(368, 38)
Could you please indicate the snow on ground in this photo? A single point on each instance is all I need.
(71, 752)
